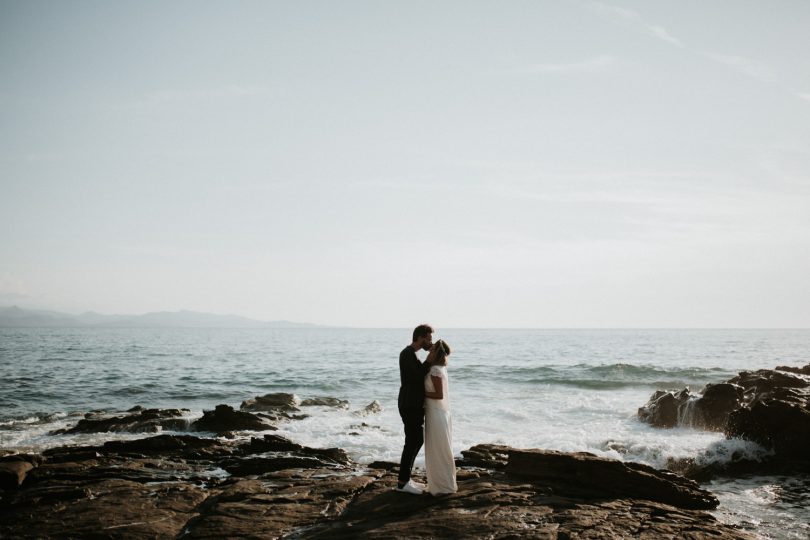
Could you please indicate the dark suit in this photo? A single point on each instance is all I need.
(411, 404)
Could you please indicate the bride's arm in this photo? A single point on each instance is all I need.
(439, 389)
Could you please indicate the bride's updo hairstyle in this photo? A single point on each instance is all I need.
(442, 352)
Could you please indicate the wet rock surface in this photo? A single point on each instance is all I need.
(492, 504)
(777, 414)
(13, 473)
(604, 477)
(272, 402)
(769, 407)
(280, 406)
(325, 402)
(225, 419)
(137, 420)
(171, 486)
(372, 408)
(663, 407)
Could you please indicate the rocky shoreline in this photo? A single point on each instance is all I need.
(183, 486)
(204, 486)
(770, 407)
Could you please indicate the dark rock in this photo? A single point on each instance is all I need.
(34, 459)
(13, 473)
(662, 408)
(325, 402)
(278, 402)
(616, 446)
(365, 426)
(263, 509)
(337, 456)
(224, 418)
(490, 456)
(716, 402)
(710, 409)
(72, 453)
(278, 407)
(301, 492)
(130, 468)
(766, 380)
(108, 508)
(282, 447)
(372, 408)
(738, 466)
(769, 407)
(139, 420)
(781, 423)
(799, 371)
(492, 504)
(166, 445)
(384, 465)
(281, 416)
(262, 465)
(270, 443)
(607, 477)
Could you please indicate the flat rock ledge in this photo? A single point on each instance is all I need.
(184, 486)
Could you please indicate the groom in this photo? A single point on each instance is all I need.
(412, 404)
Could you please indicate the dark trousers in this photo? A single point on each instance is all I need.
(413, 419)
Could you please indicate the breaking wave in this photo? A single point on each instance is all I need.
(612, 376)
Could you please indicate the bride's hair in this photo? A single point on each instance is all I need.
(442, 352)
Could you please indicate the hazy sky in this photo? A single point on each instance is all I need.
(380, 163)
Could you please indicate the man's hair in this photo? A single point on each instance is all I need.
(421, 331)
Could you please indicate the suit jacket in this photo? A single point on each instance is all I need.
(412, 380)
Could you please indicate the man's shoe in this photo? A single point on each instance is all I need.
(417, 485)
(409, 488)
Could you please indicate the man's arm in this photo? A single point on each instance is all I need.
(413, 371)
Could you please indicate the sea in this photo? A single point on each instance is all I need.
(570, 390)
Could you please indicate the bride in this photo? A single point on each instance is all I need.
(439, 461)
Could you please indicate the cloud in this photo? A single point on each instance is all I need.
(592, 65)
(13, 298)
(802, 95)
(634, 18)
(10, 285)
(157, 99)
(223, 92)
(744, 65)
(680, 190)
(13, 291)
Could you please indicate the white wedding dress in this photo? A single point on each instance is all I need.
(439, 461)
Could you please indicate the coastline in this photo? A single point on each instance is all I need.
(195, 487)
(759, 504)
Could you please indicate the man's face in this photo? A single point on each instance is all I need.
(427, 342)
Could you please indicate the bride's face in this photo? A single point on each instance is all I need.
(435, 352)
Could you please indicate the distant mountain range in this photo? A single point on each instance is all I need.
(16, 317)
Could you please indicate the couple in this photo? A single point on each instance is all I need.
(424, 398)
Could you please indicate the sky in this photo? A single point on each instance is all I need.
(532, 164)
